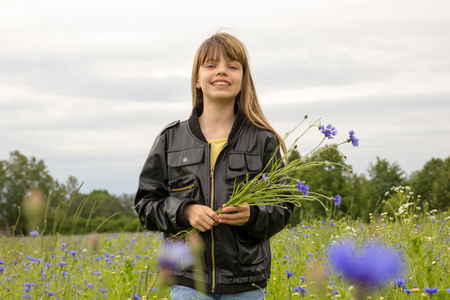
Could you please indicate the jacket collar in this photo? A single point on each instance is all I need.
(194, 124)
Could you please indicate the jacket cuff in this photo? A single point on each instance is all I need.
(254, 213)
(181, 219)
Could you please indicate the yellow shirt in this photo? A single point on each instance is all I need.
(216, 147)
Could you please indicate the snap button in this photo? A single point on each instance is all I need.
(185, 159)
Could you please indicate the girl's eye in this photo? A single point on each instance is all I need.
(209, 66)
(234, 67)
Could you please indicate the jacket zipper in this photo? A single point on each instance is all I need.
(213, 285)
(183, 188)
(211, 174)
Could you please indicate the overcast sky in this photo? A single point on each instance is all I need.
(87, 85)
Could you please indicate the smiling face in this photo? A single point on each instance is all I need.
(220, 79)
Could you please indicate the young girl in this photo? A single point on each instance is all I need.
(193, 166)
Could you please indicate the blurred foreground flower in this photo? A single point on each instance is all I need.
(370, 266)
(175, 256)
(94, 240)
(33, 206)
(34, 233)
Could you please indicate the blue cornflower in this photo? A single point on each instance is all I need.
(303, 188)
(336, 200)
(2, 262)
(448, 290)
(353, 139)
(303, 279)
(34, 233)
(62, 263)
(28, 285)
(370, 266)
(73, 252)
(289, 274)
(329, 131)
(400, 282)
(264, 177)
(136, 297)
(301, 290)
(430, 291)
(175, 256)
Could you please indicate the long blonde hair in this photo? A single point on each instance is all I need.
(230, 47)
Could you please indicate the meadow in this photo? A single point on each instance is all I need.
(125, 265)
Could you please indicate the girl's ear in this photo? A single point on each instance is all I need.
(197, 85)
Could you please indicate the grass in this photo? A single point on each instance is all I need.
(118, 266)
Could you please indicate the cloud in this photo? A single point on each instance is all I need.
(87, 86)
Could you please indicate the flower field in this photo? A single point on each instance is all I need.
(125, 265)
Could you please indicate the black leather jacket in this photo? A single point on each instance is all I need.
(178, 172)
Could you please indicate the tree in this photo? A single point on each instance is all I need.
(441, 187)
(328, 180)
(17, 176)
(382, 176)
(422, 181)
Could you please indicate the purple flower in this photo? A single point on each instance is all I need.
(135, 297)
(73, 252)
(430, 291)
(289, 274)
(175, 256)
(353, 139)
(301, 290)
(34, 233)
(303, 188)
(448, 290)
(337, 200)
(372, 265)
(329, 131)
(62, 263)
(400, 282)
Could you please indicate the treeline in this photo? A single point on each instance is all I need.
(30, 199)
(428, 188)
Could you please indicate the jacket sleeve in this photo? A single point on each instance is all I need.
(157, 210)
(270, 219)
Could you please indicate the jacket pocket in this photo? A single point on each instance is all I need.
(240, 164)
(251, 251)
(185, 157)
(185, 187)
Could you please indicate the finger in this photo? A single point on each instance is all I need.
(230, 209)
(214, 216)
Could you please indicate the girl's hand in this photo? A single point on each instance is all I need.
(235, 215)
(200, 217)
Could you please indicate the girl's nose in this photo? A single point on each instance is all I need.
(222, 70)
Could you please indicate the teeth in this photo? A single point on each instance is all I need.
(221, 83)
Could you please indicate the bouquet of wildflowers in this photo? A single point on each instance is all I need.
(274, 185)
